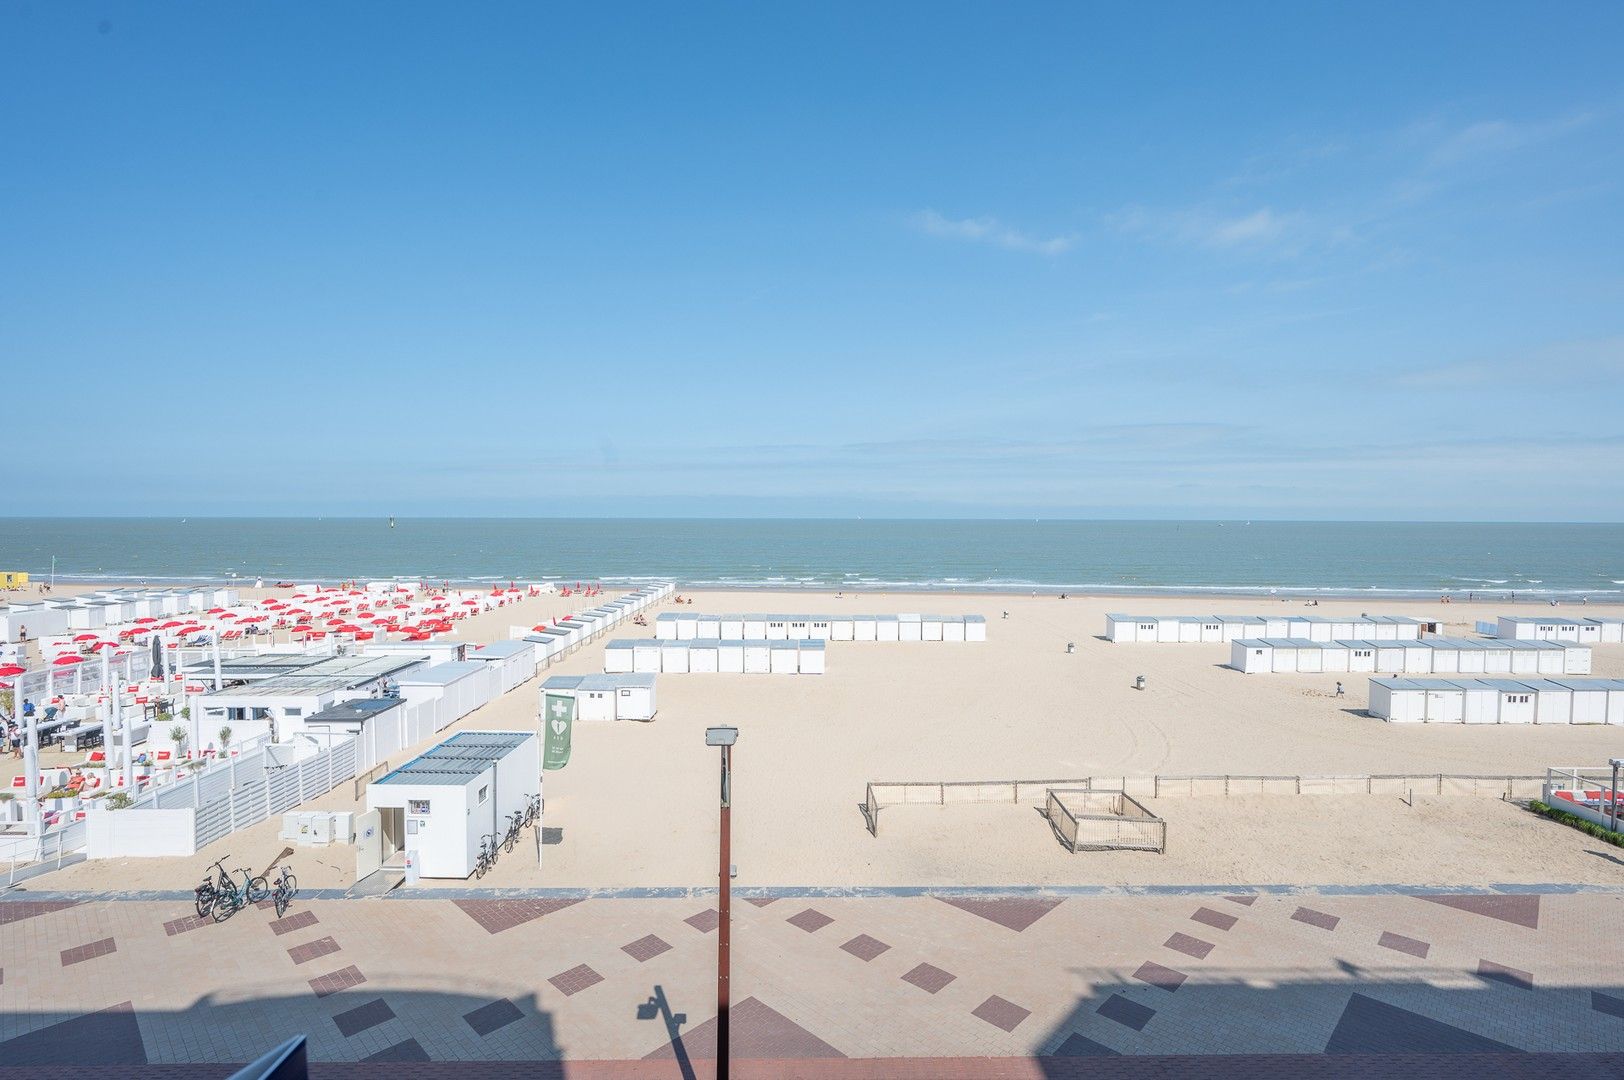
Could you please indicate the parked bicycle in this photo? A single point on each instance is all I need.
(515, 826)
(205, 895)
(532, 810)
(283, 891)
(487, 855)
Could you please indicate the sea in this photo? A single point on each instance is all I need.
(1397, 559)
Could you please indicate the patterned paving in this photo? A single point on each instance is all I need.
(1024, 988)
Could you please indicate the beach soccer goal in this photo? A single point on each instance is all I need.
(1103, 821)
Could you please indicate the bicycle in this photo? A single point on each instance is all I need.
(487, 855)
(286, 888)
(254, 888)
(228, 899)
(532, 810)
(205, 895)
(514, 827)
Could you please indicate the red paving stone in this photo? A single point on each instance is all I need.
(496, 916)
(1517, 910)
(1215, 919)
(1012, 912)
(312, 950)
(80, 953)
(929, 977)
(17, 910)
(493, 1017)
(1002, 1014)
(342, 979)
(755, 1030)
(811, 920)
(1189, 946)
(352, 1022)
(184, 924)
(762, 901)
(705, 921)
(865, 948)
(1500, 973)
(645, 948)
(1158, 975)
(1315, 918)
(1245, 901)
(293, 922)
(578, 978)
(1400, 943)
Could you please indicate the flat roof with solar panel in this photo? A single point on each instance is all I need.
(459, 759)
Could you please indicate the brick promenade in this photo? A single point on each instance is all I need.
(831, 987)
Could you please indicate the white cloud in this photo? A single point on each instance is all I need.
(1497, 138)
(1262, 229)
(989, 230)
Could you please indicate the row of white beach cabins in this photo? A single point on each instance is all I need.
(45, 616)
(703, 655)
(1498, 701)
(682, 626)
(1420, 656)
(567, 634)
(1218, 628)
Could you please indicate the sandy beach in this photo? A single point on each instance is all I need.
(637, 804)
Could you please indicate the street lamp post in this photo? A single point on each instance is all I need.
(724, 737)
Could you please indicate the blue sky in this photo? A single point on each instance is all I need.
(1289, 261)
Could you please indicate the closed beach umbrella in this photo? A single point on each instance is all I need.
(157, 659)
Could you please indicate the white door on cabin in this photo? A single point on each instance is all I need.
(1362, 660)
(1445, 706)
(1589, 707)
(1553, 707)
(1517, 707)
(1311, 660)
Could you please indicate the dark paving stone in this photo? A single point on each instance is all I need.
(1602, 1003)
(1517, 910)
(1157, 975)
(184, 924)
(1012, 912)
(1315, 918)
(1000, 1013)
(17, 910)
(1126, 1012)
(551, 835)
(1368, 1026)
(496, 916)
(1400, 943)
(342, 979)
(1215, 919)
(1244, 901)
(865, 948)
(362, 1017)
(297, 921)
(1492, 972)
(80, 953)
(312, 950)
(109, 1037)
(755, 1032)
(488, 1018)
(705, 921)
(1081, 1046)
(402, 1051)
(811, 920)
(929, 977)
(1189, 946)
(578, 978)
(645, 949)
(762, 901)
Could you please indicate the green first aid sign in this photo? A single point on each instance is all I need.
(558, 718)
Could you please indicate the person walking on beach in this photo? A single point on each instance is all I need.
(1339, 692)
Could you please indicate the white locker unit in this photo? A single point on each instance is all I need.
(687, 626)
(887, 628)
(665, 626)
(975, 628)
(909, 628)
(811, 657)
(842, 629)
(757, 657)
(730, 657)
(704, 656)
(777, 628)
(1553, 702)
(709, 628)
(865, 628)
(1482, 702)
(1517, 703)
(646, 655)
(732, 628)
(785, 658)
(674, 656)
(930, 628)
(1589, 700)
(755, 628)
(953, 628)
(619, 657)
